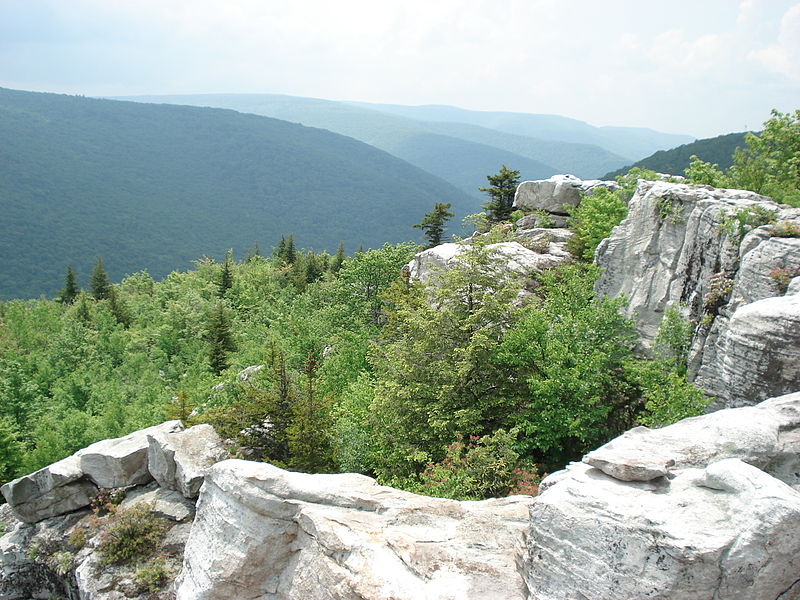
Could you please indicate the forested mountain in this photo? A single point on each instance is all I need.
(718, 150)
(628, 142)
(458, 152)
(156, 186)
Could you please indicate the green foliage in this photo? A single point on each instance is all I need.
(786, 229)
(503, 187)
(670, 209)
(433, 224)
(153, 575)
(98, 282)
(720, 286)
(770, 164)
(476, 468)
(132, 535)
(705, 173)
(11, 450)
(570, 352)
(157, 186)
(220, 339)
(737, 223)
(629, 179)
(667, 396)
(674, 339)
(226, 275)
(70, 290)
(593, 219)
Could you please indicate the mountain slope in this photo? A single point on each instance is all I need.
(154, 187)
(630, 142)
(717, 150)
(410, 139)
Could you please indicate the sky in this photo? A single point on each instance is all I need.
(696, 67)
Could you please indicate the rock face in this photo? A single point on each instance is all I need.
(287, 535)
(673, 249)
(702, 509)
(552, 195)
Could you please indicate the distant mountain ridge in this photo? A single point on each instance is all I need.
(156, 186)
(718, 150)
(465, 150)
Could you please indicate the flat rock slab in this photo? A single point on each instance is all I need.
(285, 535)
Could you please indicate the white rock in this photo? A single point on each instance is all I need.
(122, 461)
(556, 193)
(287, 535)
(180, 460)
(728, 532)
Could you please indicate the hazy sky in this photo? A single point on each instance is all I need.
(701, 67)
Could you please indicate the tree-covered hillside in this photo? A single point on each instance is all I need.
(454, 144)
(155, 186)
(718, 150)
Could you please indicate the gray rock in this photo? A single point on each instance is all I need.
(122, 461)
(180, 460)
(757, 435)
(554, 194)
(287, 535)
(727, 531)
(54, 490)
(669, 250)
(169, 504)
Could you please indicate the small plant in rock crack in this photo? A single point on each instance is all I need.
(786, 229)
(61, 562)
(783, 277)
(720, 287)
(132, 535)
(742, 220)
(106, 501)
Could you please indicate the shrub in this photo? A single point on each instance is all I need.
(133, 535)
(786, 229)
(153, 575)
(593, 219)
(783, 277)
(745, 219)
(720, 287)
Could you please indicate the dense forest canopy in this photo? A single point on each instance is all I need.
(155, 186)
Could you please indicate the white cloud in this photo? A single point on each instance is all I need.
(783, 56)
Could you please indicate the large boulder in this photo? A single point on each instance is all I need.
(261, 532)
(69, 484)
(705, 508)
(179, 460)
(673, 250)
(557, 194)
(121, 462)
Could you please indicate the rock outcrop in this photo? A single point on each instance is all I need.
(288, 535)
(681, 245)
(557, 194)
(51, 548)
(705, 508)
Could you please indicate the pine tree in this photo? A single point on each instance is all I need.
(338, 259)
(226, 276)
(118, 308)
(99, 282)
(82, 312)
(220, 339)
(70, 290)
(433, 225)
(502, 191)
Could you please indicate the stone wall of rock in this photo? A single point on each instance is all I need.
(672, 249)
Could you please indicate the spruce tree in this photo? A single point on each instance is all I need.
(338, 259)
(220, 339)
(501, 193)
(98, 281)
(70, 290)
(226, 276)
(433, 225)
(118, 308)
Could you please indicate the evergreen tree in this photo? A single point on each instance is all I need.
(82, 312)
(286, 252)
(219, 338)
(118, 308)
(226, 276)
(501, 193)
(338, 259)
(99, 282)
(433, 225)
(253, 253)
(70, 290)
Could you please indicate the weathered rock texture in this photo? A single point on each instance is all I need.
(702, 509)
(554, 194)
(37, 558)
(287, 535)
(672, 248)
